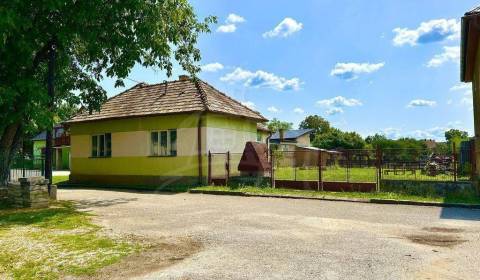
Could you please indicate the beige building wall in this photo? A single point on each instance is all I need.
(304, 140)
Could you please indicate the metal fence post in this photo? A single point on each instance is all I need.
(378, 158)
(209, 175)
(227, 168)
(320, 179)
(272, 172)
(42, 162)
(454, 157)
(348, 165)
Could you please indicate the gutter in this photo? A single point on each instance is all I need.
(199, 147)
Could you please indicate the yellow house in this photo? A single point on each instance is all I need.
(158, 134)
(470, 69)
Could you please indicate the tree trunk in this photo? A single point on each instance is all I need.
(9, 143)
(51, 96)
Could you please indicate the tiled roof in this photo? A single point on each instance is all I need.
(262, 127)
(291, 134)
(180, 96)
(42, 136)
(475, 11)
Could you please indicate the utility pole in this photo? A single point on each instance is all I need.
(51, 104)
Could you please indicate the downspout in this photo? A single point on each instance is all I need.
(203, 98)
(199, 148)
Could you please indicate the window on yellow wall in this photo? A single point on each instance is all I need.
(102, 145)
(163, 143)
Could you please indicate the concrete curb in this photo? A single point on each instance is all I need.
(357, 200)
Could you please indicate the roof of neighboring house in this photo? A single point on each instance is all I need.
(262, 127)
(291, 134)
(42, 136)
(469, 43)
(181, 96)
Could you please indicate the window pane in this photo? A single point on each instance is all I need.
(173, 142)
(94, 146)
(154, 143)
(163, 143)
(108, 140)
(101, 145)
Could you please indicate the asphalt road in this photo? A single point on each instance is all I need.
(266, 238)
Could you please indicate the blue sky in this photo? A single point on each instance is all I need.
(384, 66)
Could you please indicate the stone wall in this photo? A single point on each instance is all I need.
(29, 192)
(427, 187)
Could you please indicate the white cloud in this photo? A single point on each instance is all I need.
(227, 28)
(428, 32)
(334, 105)
(285, 28)
(273, 109)
(421, 103)
(233, 18)
(437, 133)
(262, 79)
(462, 86)
(231, 22)
(212, 67)
(450, 54)
(298, 110)
(334, 111)
(350, 71)
(249, 104)
(339, 101)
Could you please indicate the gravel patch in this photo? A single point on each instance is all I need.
(270, 238)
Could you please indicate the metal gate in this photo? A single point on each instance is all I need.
(218, 168)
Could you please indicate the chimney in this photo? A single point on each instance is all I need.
(183, 78)
(281, 132)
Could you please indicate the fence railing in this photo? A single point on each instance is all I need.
(353, 167)
(24, 166)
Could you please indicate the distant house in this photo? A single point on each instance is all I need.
(159, 134)
(61, 148)
(262, 133)
(470, 68)
(290, 139)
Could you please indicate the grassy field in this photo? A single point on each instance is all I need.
(367, 174)
(354, 195)
(55, 243)
(59, 179)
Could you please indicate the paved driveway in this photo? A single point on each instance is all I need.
(265, 238)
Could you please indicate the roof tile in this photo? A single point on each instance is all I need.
(167, 98)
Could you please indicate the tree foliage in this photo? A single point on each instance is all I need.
(337, 139)
(92, 40)
(275, 125)
(315, 122)
(455, 134)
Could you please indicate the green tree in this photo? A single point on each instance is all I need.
(315, 122)
(81, 42)
(275, 125)
(455, 134)
(337, 139)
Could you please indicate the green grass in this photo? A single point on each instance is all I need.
(55, 242)
(361, 195)
(355, 174)
(59, 179)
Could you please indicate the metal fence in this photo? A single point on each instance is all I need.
(24, 166)
(362, 169)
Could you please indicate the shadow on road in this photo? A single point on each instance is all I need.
(87, 203)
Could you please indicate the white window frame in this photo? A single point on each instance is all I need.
(169, 143)
(97, 155)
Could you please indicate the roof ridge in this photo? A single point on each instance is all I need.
(203, 94)
(235, 101)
